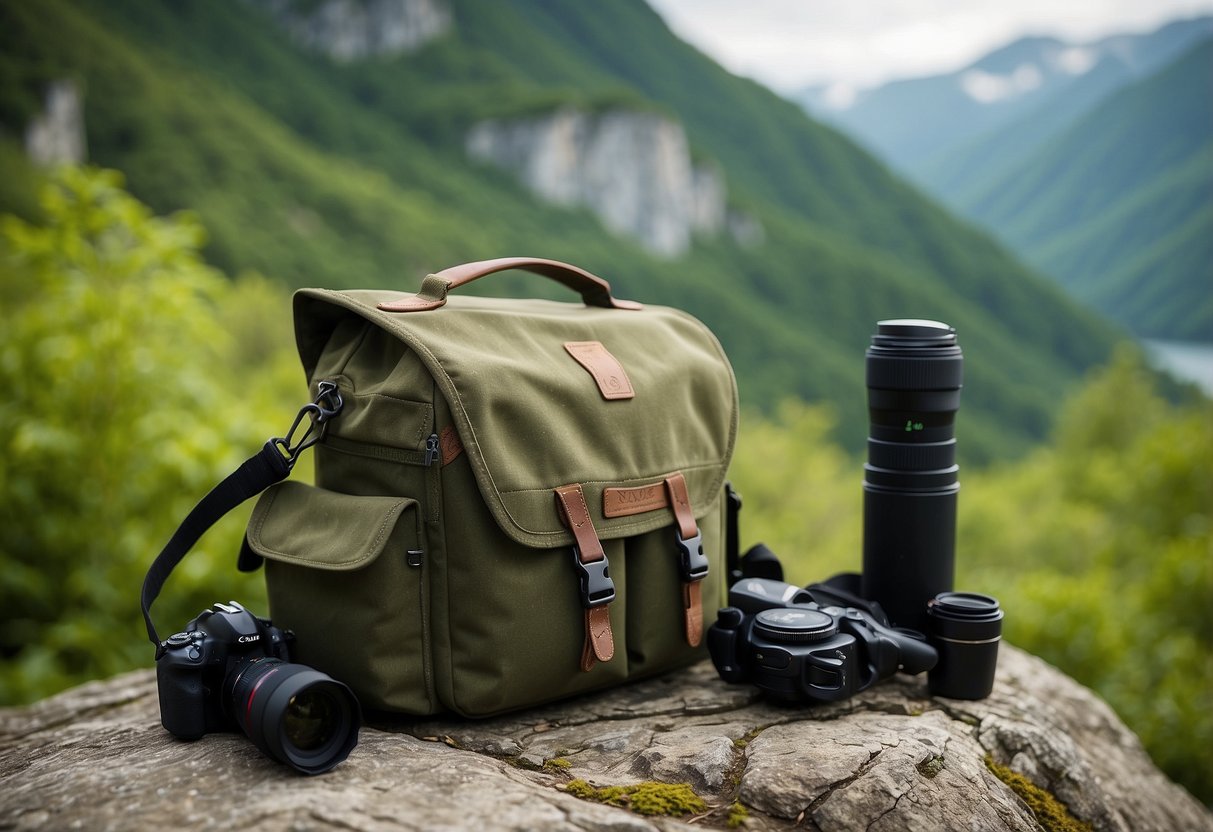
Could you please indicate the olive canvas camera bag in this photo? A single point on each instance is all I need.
(514, 500)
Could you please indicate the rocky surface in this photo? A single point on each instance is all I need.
(56, 135)
(352, 30)
(632, 169)
(891, 758)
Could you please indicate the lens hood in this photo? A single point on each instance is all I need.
(295, 714)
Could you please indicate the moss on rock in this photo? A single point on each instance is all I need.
(737, 815)
(648, 798)
(1050, 812)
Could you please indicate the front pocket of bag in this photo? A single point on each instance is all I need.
(517, 629)
(509, 625)
(346, 573)
(656, 618)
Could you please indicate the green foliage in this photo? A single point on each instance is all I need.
(19, 193)
(802, 493)
(1115, 526)
(121, 361)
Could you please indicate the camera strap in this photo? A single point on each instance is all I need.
(273, 463)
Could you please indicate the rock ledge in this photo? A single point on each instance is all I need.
(890, 759)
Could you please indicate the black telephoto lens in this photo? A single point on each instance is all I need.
(965, 629)
(294, 714)
(914, 370)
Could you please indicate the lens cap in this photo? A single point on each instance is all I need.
(794, 625)
(913, 332)
(966, 616)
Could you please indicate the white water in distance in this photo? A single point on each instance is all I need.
(1188, 360)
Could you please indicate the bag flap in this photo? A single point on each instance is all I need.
(320, 529)
(529, 393)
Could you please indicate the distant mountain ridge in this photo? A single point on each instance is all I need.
(1119, 206)
(1089, 160)
(345, 173)
(954, 108)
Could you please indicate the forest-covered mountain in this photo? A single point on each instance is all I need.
(1093, 162)
(1120, 205)
(346, 144)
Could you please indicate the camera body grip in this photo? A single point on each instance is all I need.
(186, 710)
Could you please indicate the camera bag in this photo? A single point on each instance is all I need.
(518, 500)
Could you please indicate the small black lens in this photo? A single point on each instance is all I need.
(294, 714)
(965, 628)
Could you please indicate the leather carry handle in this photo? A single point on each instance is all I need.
(593, 289)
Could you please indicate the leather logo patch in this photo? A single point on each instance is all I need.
(624, 502)
(608, 373)
(450, 445)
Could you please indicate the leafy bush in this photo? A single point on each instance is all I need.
(1101, 547)
(127, 366)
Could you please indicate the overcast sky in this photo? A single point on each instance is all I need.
(788, 44)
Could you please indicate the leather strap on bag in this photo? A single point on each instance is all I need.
(597, 588)
(690, 547)
(672, 493)
(593, 289)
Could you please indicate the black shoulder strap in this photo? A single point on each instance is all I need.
(732, 534)
(273, 463)
(758, 561)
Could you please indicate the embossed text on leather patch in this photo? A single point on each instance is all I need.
(624, 502)
(613, 381)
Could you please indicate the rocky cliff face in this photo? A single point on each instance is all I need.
(633, 169)
(350, 30)
(56, 135)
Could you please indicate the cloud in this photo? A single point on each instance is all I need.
(789, 44)
(987, 87)
(1076, 60)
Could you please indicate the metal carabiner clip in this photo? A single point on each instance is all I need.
(327, 405)
(328, 401)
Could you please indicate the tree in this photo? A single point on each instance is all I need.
(117, 415)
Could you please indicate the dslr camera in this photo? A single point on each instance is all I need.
(805, 644)
(230, 670)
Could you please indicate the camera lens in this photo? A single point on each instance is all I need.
(310, 719)
(965, 629)
(914, 373)
(294, 714)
